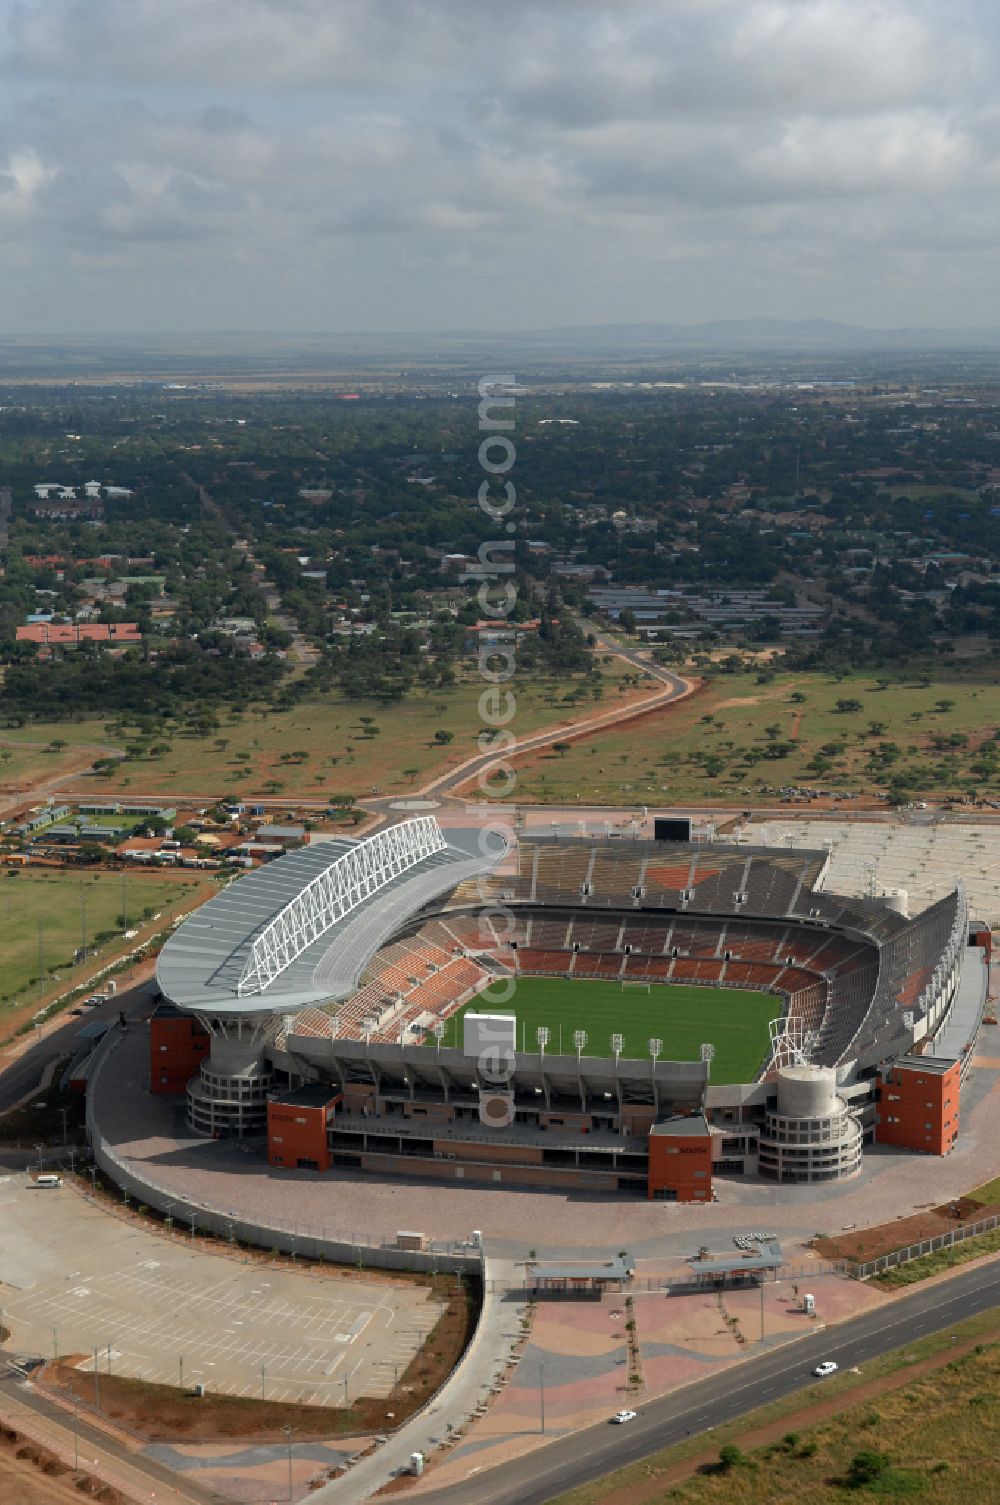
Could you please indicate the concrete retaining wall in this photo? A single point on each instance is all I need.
(338, 1249)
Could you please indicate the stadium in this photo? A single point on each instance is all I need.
(607, 1015)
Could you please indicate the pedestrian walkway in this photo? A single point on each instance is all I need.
(456, 1402)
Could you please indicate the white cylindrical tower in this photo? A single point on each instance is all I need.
(810, 1134)
(807, 1091)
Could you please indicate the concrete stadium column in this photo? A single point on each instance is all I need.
(229, 1096)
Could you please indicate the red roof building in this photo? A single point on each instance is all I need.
(71, 634)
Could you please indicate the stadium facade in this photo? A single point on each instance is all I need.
(309, 1001)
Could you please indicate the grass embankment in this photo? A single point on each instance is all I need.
(942, 1259)
(166, 1413)
(683, 1016)
(718, 744)
(938, 1431)
(45, 915)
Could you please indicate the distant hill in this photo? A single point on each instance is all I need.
(757, 334)
(218, 354)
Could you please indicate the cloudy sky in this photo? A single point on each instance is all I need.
(453, 164)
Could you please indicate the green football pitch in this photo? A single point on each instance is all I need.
(683, 1016)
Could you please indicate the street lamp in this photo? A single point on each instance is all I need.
(579, 1040)
(288, 1438)
(541, 1391)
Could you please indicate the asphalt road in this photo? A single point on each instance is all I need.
(585, 1456)
(24, 1074)
(673, 689)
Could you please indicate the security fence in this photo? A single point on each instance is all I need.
(915, 1250)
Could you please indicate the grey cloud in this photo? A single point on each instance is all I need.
(590, 160)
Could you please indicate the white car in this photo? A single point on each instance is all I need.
(822, 1370)
(620, 1417)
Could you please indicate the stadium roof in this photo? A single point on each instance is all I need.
(202, 967)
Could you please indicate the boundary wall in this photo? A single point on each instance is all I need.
(299, 1238)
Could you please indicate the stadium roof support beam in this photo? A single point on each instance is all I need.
(344, 885)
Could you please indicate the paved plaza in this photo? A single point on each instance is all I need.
(919, 853)
(73, 1280)
(575, 1366)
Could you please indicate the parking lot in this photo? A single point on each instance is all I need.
(75, 1280)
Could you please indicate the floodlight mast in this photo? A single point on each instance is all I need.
(543, 1035)
(655, 1050)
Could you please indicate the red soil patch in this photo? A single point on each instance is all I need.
(866, 1244)
(31, 1474)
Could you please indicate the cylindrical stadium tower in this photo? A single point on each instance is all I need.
(810, 1135)
(296, 934)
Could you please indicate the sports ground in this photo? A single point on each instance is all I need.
(683, 1016)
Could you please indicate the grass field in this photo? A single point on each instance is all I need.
(345, 746)
(682, 1016)
(715, 746)
(719, 745)
(53, 906)
(23, 762)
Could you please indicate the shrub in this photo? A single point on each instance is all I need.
(867, 1467)
(730, 1456)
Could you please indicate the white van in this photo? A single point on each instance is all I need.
(48, 1180)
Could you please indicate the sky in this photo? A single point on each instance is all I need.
(407, 165)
